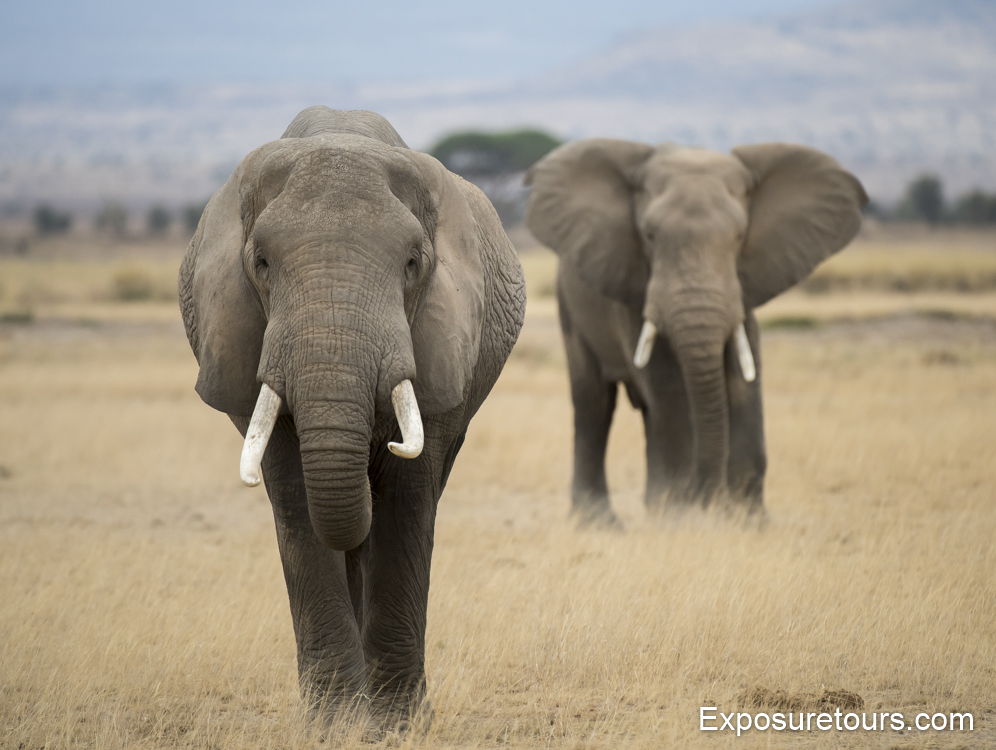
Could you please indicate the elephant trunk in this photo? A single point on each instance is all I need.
(707, 397)
(334, 403)
(698, 331)
(336, 374)
(334, 430)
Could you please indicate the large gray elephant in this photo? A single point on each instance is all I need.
(351, 303)
(664, 254)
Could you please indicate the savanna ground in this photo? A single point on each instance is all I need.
(142, 603)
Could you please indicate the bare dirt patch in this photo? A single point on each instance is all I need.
(762, 697)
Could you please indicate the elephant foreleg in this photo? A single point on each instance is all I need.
(748, 459)
(396, 565)
(668, 460)
(594, 403)
(330, 658)
(668, 431)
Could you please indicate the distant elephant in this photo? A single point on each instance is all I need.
(664, 254)
(357, 300)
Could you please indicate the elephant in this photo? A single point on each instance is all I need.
(350, 304)
(664, 253)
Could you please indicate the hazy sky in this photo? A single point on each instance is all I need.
(58, 42)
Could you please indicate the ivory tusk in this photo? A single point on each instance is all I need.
(409, 419)
(264, 416)
(645, 345)
(744, 353)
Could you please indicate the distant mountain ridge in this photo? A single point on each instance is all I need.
(855, 44)
(892, 88)
(899, 84)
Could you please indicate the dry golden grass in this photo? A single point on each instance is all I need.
(60, 288)
(891, 259)
(912, 271)
(143, 603)
(910, 260)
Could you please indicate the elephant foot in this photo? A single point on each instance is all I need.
(755, 513)
(333, 702)
(340, 721)
(678, 506)
(403, 714)
(674, 510)
(598, 517)
(748, 511)
(369, 721)
(671, 501)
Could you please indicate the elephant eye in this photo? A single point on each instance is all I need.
(412, 267)
(261, 263)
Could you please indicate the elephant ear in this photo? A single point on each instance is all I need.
(221, 311)
(581, 207)
(446, 330)
(804, 208)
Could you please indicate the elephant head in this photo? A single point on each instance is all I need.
(693, 239)
(336, 277)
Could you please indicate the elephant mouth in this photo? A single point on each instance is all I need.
(648, 334)
(264, 417)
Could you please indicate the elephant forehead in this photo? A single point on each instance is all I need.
(342, 189)
(671, 164)
(336, 225)
(335, 200)
(337, 215)
(345, 171)
(348, 173)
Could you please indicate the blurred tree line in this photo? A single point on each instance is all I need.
(49, 220)
(924, 201)
(113, 219)
(496, 163)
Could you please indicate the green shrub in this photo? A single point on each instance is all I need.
(113, 218)
(479, 153)
(17, 316)
(50, 221)
(976, 207)
(924, 200)
(158, 220)
(798, 322)
(132, 284)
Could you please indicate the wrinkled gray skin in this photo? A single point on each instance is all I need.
(692, 241)
(334, 264)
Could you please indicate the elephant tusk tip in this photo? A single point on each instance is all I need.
(409, 420)
(250, 478)
(645, 345)
(403, 450)
(747, 367)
